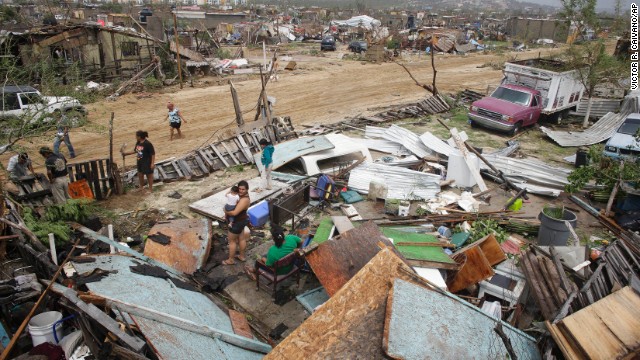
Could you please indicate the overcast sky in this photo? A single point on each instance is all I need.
(608, 5)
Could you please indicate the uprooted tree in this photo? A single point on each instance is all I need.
(594, 66)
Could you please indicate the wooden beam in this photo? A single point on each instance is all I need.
(230, 338)
(236, 104)
(98, 315)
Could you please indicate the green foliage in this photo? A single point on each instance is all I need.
(482, 228)
(223, 54)
(55, 218)
(236, 168)
(393, 44)
(112, 7)
(150, 82)
(7, 13)
(554, 212)
(604, 171)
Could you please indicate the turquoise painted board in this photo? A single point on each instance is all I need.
(163, 296)
(427, 324)
(288, 151)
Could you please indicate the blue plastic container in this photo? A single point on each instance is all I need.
(259, 213)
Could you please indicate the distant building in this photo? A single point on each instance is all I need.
(532, 29)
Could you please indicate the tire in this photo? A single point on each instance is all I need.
(473, 124)
(516, 129)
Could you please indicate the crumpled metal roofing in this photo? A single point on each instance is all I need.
(408, 139)
(602, 130)
(401, 183)
(434, 143)
(382, 145)
(534, 175)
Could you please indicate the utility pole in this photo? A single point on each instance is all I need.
(175, 38)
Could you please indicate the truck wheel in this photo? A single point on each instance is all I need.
(473, 124)
(516, 129)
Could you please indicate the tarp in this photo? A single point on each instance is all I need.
(363, 20)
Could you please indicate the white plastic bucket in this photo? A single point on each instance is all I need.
(41, 327)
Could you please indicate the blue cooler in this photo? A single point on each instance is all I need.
(259, 213)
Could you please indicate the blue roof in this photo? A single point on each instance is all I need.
(162, 295)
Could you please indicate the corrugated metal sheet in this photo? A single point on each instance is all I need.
(406, 162)
(535, 176)
(163, 296)
(426, 324)
(374, 132)
(408, 139)
(599, 107)
(343, 145)
(434, 143)
(602, 130)
(401, 183)
(382, 145)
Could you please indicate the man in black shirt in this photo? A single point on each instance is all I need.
(57, 173)
(146, 158)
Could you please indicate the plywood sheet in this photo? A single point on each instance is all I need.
(351, 323)
(189, 247)
(426, 324)
(606, 329)
(337, 260)
(213, 206)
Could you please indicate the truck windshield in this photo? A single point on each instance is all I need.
(514, 96)
(630, 127)
(30, 98)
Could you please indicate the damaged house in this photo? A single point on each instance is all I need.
(102, 53)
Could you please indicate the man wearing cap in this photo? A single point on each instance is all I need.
(19, 166)
(57, 172)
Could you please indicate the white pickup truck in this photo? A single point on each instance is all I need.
(28, 104)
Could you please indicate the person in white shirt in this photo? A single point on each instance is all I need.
(19, 166)
(232, 200)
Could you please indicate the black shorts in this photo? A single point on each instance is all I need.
(238, 226)
(175, 125)
(144, 169)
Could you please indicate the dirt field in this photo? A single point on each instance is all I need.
(321, 90)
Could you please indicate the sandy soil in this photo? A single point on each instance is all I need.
(321, 90)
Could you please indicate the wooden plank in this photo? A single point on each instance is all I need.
(247, 150)
(342, 223)
(189, 247)
(569, 352)
(230, 153)
(240, 324)
(177, 169)
(215, 150)
(337, 260)
(475, 172)
(350, 324)
(475, 268)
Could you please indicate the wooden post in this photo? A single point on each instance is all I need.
(176, 37)
(267, 111)
(113, 49)
(52, 248)
(236, 104)
(111, 139)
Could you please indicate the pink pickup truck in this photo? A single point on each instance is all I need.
(530, 89)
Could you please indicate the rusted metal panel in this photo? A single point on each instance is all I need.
(426, 324)
(337, 260)
(189, 247)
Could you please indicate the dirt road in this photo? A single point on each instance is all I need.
(321, 90)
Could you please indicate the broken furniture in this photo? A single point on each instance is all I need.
(288, 207)
(270, 273)
(508, 283)
(189, 247)
(477, 261)
(34, 190)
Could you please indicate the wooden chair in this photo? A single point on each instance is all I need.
(269, 272)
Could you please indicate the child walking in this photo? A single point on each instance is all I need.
(232, 200)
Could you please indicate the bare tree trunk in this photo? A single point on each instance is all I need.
(433, 66)
(585, 122)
